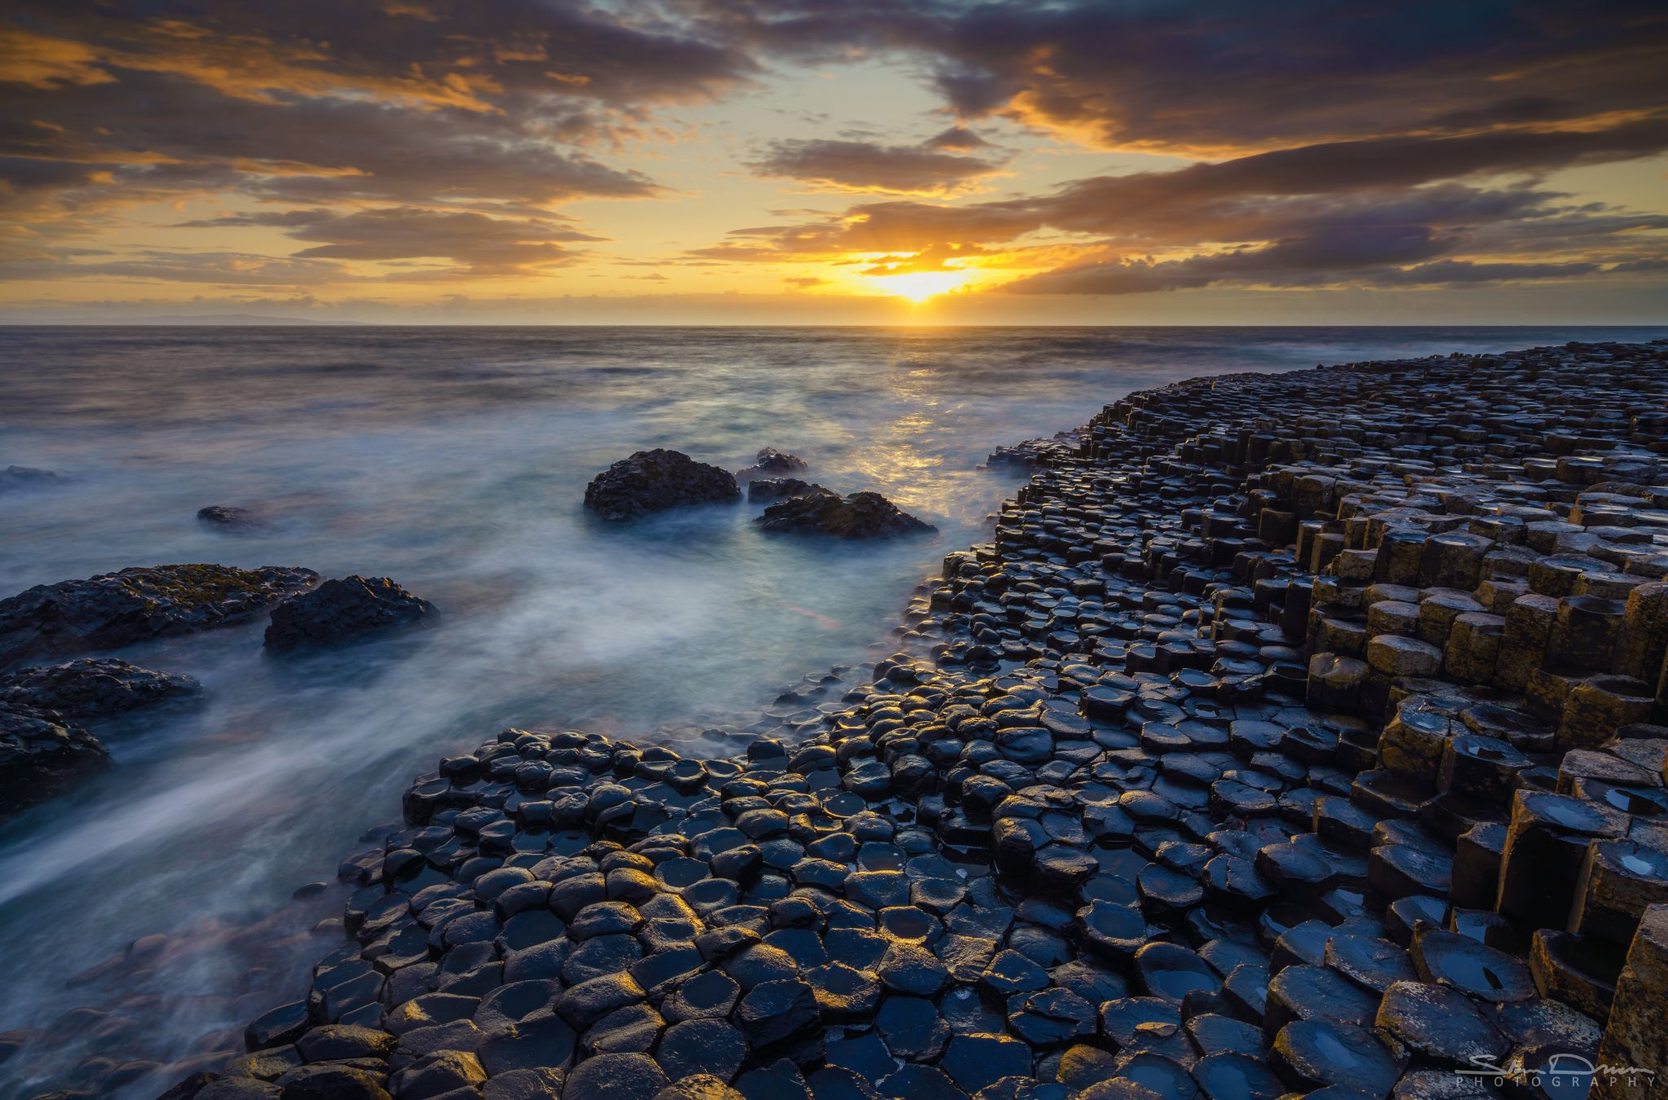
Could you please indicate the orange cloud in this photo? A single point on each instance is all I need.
(41, 61)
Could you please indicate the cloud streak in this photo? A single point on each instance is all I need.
(873, 166)
(474, 242)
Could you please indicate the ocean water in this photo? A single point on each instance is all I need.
(454, 460)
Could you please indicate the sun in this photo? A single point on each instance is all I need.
(918, 286)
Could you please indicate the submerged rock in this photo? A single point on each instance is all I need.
(341, 610)
(653, 481)
(772, 463)
(230, 517)
(780, 488)
(93, 687)
(41, 755)
(855, 516)
(27, 477)
(133, 605)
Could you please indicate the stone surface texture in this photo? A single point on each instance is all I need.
(135, 605)
(344, 610)
(653, 481)
(93, 687)
(41, 755)
(819, 511)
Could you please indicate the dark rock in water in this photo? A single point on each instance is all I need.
(93, 687)
(41, 755)
(1032, 453)
(780, 488)
(27, 477)
(229, 517)
(771, 463)
(117, 609)
(856, 516)
(340, 610)
(653, 481)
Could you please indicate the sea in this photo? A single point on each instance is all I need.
(149, 914)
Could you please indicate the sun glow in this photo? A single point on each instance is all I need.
(918, 286)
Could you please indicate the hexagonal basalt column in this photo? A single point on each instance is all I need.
(1597, 707)
(1546, 847)
(1633, 1058)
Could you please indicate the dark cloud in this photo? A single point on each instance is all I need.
(1392, 144)
(227, 269)
(417, 101)
(957, 139)
(1214, 76)
(872, 166)
(311, 150)
(1288, 265)
(479, 244)
(1364, 212)
(1235, 200)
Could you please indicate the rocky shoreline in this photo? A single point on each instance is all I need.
(1296, 734)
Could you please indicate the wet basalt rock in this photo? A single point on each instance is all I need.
(42, 755)
(14, 478)
(93, 687)
(771, 463)
(344, 610)
(822, 511)
(1033, 452)
(1295, 733)
(653, 481)
(134, 605)
(230, 517)
(779, 488)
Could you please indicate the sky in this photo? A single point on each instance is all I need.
(835, 161)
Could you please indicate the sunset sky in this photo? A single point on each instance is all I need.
(874, 161)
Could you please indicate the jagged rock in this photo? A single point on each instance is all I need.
(93, 687)
(856, 516)
(133, 605)
(779, 488)
(41, 755)
(770, 463)
(343, 610)
(653, 481)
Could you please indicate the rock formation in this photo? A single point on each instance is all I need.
(653, 481)
(134, 605)
(344, 610)
(820, 511)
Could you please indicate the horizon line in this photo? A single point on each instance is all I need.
(290, 323)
